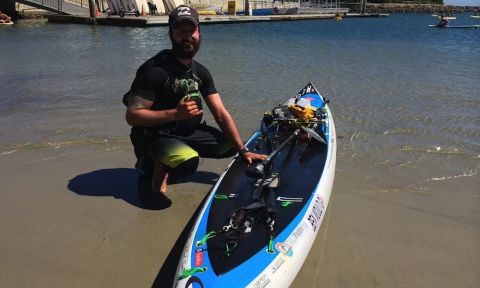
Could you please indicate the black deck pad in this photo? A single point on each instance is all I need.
(299, 166)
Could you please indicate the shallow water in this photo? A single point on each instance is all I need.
(405, 96)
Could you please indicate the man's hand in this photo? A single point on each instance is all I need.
(250, 157)
(187, 109)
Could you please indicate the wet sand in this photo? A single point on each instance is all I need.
(70, 217)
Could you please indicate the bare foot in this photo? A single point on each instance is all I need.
(163, 187)
(159, 179)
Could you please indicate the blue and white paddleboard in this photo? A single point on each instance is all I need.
(257, 228)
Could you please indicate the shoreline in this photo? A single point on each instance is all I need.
(150, 21)
(371, 8)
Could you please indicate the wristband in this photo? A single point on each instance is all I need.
(243, 150)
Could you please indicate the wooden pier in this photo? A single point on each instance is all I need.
(150, 21)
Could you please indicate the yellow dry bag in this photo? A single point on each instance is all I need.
(303, 112)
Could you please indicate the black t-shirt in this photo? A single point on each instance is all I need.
(165, 81)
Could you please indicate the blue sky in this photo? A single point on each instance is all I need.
(462, 2)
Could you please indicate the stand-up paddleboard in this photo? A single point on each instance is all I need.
(112, 8)
(141, 6)
(177, 3)
(160, 6)
(475, 16)
(6, 23)
(260, 220)
(458, 26)
(115, 6)
(170, 5)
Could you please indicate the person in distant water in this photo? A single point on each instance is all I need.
(338, 16)
(4, 18)
(164, 108)
(443, 22)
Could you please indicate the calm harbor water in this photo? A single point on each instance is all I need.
(405, 96)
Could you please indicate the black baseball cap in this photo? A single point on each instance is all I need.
(181, 13)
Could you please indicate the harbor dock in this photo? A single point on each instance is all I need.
(150, 21)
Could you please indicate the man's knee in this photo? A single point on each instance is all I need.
(181, 161)
(185, 168)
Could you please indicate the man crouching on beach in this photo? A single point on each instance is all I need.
(165, 109)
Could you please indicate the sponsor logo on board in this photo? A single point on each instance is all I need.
(296, 234)
(277, 264)
(199, 257)
(315, 213)
(262, 281)
(194, 280)
(284, 248)
(307, 90)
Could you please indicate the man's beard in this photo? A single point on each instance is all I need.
(186, 49)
